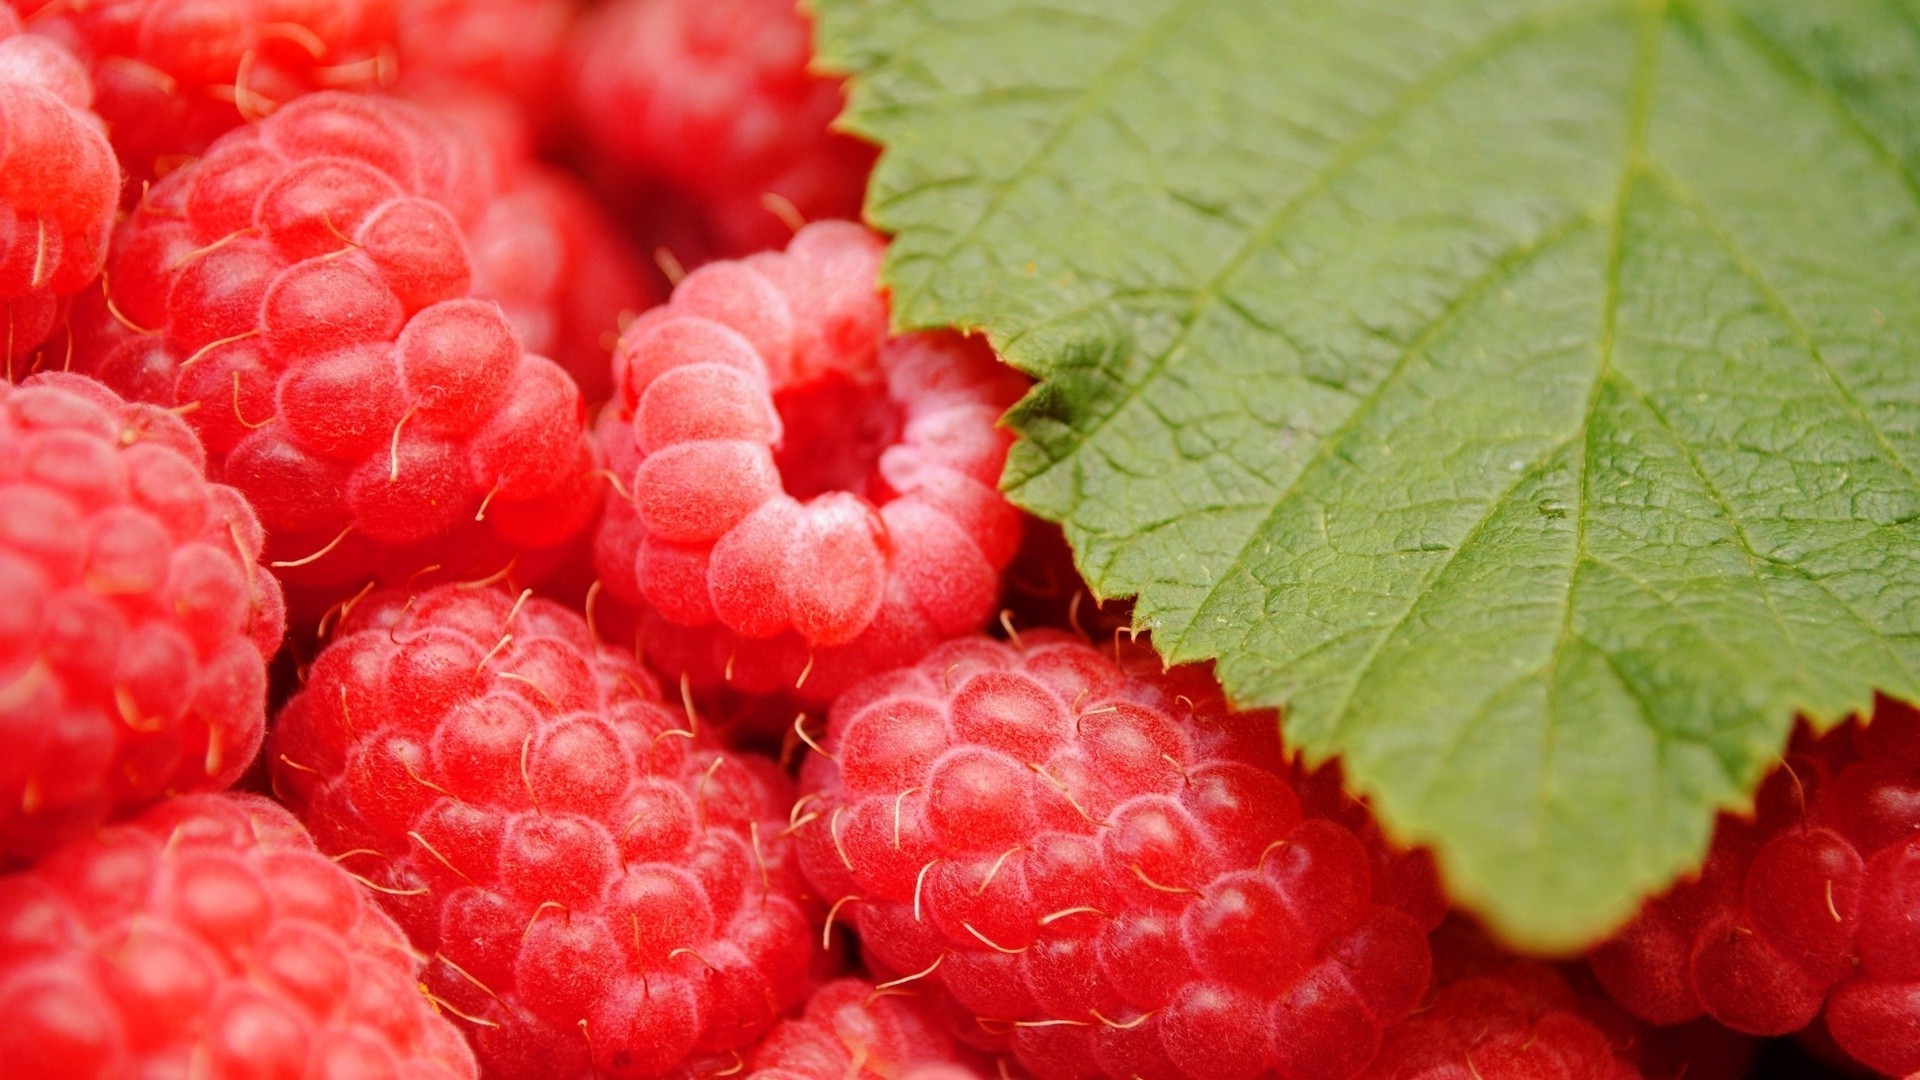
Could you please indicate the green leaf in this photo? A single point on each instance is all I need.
(1524, 393)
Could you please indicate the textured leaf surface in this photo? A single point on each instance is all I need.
(1524, 393)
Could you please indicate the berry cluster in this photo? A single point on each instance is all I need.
(1105, 868)
(599, 886)
(135, 623)
(305, 290)
(1809, 905)
(308, 304)
(207, 938)
(58, 186)
(805, 500)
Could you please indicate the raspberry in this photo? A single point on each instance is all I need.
(514, 50)
(713, 100)
(599, 886)
(207, 938)
(1103, 867)
(1493, 1016)
(811, 501)
(135, 623)
(851, 1031)
(556, 263)
(307, 286)
(58, 186)
(1520, 1021)
(171, 77)
(1806, 906)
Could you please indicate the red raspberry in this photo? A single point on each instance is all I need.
(1811, 904)
(714, 100)
(173, 75)
(514, 50)
(135, 623)
(307, 289)
(207, 938)
(1494, 1016)
(59, 186)
(602, 888)
(811, 501)
(851, 1031)
(557, 265)
(1520, 1021)
(1105, 868)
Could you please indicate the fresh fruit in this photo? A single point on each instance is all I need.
(134, 623)
(206, 937)
(852, 1031)
(1808, 905)
(303, 294)
(171, 76)
(713, 101)
(598, 885)
(802, 499)
(1104, 867)
(58, 187)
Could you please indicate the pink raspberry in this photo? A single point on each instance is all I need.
(714, 100)
(557, 265)
(173, 75)
(59, 186)
(304, 290)
(851, 1031)
(601, 889)
(134, 624)
(1809, 905)
(803, 500)
(1102, 867)
(207, 938)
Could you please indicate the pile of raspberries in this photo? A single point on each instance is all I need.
(485, 589)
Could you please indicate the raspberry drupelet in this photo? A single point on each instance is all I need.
(852, 1031)
(134, 621)
(207, 937)
(59, 186)
(1101, 868)
(171, 76)
(802, 500)
(601, 890)
(302, 293)
(713, 101)
(1809, 905)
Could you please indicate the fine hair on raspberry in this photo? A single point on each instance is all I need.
(207, 937)
(134, 621)
(1101, 869)
(600, 888)
(803, 499)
